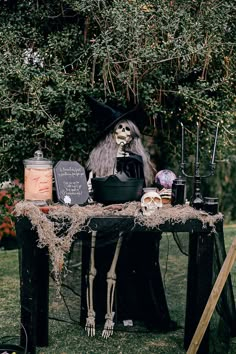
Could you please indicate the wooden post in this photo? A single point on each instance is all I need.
(213, 299)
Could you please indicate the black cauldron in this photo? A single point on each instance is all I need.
(113, 190)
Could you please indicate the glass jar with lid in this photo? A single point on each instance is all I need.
(38, 175)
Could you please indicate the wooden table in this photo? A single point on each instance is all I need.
(34, 273)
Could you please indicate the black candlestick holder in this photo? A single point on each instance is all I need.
(197, 201)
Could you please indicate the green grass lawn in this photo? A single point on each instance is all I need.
(66, 338)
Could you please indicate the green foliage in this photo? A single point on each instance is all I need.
(42, 96)
(176, 58)
(9, 196)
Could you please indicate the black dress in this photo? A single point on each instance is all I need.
(131, 166)
(139, 292)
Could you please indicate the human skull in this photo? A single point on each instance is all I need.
(123, 133)
(150, 202)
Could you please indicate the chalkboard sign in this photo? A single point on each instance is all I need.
(71, 183)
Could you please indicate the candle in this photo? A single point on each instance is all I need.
(197, 151)
(214, 148)
(182, 144)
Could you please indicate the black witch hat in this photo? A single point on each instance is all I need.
(107, 117)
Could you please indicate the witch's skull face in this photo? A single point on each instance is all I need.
(122, 133)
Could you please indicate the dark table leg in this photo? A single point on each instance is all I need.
(42, 297)
(33, 288)
(199, 285)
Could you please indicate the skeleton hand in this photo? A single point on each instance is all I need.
(89, 182)
(121, 151)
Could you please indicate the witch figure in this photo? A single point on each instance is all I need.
(136, 278)
(120, 150)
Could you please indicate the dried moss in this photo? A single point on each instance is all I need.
(58, 226)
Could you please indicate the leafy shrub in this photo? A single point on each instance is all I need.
(176, 58)
(9, 196)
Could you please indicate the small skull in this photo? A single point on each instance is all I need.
(122, 133)
(150, 202)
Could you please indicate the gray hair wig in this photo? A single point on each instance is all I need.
(102, 159)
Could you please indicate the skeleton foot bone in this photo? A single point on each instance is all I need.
(111, 283)
(108, 327)
(90, 324)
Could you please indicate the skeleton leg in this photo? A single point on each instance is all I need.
(90, 320)
(111, 283)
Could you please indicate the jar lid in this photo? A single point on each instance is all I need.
(149, 189)
(210, 200)
(37, 160)
(179, 180)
